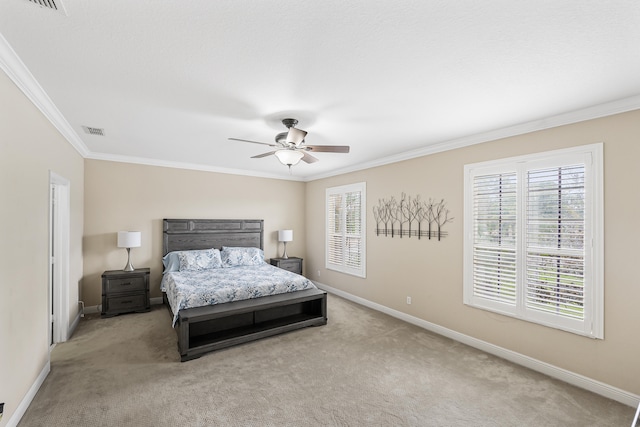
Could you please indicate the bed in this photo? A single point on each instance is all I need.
(202, 329)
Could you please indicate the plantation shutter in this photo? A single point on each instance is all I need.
(555, 250)
(534, 238)
(353, 230)
(345, 229)
(494, 241)
(335, 248)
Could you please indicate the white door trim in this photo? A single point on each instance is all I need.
(59, 230)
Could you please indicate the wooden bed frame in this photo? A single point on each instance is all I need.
(205, 329)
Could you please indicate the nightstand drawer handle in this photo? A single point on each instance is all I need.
(126, 284)
(126, 302)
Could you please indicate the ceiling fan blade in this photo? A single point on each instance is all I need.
(253, 142)
(259, 156)
(295, 136)
(308, 158)
(328, 148)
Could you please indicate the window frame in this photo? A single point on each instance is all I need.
(360, 187)
(592, 324)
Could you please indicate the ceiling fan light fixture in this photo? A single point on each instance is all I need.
(289, 157)
(295, 136)
(291, 146)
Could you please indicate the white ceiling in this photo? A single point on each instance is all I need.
(170, 81)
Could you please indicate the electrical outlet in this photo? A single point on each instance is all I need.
(318, 273)
(408, 300)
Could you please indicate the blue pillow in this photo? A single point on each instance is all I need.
(171, 262)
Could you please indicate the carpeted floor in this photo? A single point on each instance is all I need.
(362, 369)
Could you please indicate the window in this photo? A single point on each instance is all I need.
(533, 238)
(345, 207)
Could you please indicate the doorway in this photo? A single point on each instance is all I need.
(59, 214)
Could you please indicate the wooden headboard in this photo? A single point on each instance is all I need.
(188, 234)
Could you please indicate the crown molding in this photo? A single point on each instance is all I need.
(22, 77)
(18, 72)
(189, 166)
(608, 109)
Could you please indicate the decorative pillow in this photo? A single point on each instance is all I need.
(199, 260)
(233, 257)
(171, 262)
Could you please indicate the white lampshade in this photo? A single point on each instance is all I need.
(129, 239)
(285, 235)
(289, 157)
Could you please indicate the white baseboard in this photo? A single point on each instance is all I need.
(74, 325)
(98, 308)
(26, 401)
(92, 309)
(572, 378)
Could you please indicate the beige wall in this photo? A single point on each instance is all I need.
(30, 147)
(110, 196)
(431, 272)
(123, 196)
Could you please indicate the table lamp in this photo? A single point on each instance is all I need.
(128, 240)
(285, 236)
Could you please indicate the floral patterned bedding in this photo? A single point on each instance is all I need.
(187, 289)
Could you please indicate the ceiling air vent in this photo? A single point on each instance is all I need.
(93, 131)
(50, 4)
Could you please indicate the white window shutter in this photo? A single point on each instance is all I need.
(345, 229)
(494, 242)
(555, 223)
(335, 247)
(534, 238)
(353, 230)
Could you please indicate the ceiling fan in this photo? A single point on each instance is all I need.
(291, 148)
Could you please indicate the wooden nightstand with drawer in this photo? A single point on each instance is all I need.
(125, 291)
(292, 264)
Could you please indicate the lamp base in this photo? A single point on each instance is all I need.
(284, 254)
(128, 267)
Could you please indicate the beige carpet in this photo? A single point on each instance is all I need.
(362, 369)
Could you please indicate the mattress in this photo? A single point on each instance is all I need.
(188, 289)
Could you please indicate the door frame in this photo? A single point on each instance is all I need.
(59, 229)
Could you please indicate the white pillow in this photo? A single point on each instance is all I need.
(199, 260)
(233, 257)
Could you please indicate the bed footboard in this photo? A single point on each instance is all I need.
(205, 329)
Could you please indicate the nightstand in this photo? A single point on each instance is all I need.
(292, 264)
(125, 291)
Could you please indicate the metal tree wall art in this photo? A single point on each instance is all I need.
(411, 217)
